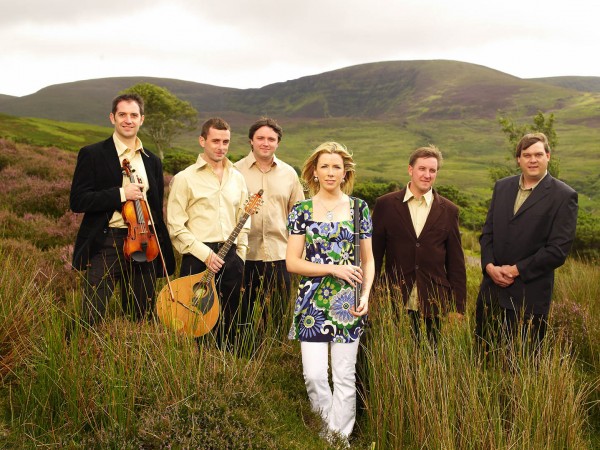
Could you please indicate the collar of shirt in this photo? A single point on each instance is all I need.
(122, 148)
(428, 196)
(201, 164)
(532, 187)
(251, 160)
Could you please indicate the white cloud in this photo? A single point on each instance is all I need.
(251, 44)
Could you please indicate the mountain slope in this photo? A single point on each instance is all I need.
(400, 90)
(583, 84)
(89, 101)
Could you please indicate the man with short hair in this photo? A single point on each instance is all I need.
(417, 232)
(99, 190)
(205, 204)
(528, 233)
(265, 275)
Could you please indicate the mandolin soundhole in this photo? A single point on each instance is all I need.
(203, 298)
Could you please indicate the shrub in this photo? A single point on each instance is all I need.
(453, 194)
(176, 161)
(42, 231)
(36, 180)
(370, 191)
(587, 238)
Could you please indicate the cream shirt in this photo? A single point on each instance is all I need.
(268, 236)
(202, 209)
(139, 170)
(419, 211)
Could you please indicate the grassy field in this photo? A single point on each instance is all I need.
(381, 149)
(125, 385)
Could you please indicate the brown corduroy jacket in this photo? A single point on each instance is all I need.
(435, 260)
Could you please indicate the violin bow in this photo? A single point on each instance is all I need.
(162, 258)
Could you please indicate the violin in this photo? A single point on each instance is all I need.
(141, 244)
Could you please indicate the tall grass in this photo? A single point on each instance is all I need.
(447, 398)
(131, 385)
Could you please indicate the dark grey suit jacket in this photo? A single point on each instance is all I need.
(537, 239)
(95, 192)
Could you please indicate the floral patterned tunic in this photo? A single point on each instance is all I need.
(322, 307)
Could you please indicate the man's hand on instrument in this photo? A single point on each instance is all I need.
(133, 191)
(214, 263)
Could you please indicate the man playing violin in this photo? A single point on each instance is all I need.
(206, 202)
(99, 190)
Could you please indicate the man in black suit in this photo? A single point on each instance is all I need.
(99, 190)
(528, 233)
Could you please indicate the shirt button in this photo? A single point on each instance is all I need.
(416, 267)
(418, 244)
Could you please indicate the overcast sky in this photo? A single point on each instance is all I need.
(252, 43)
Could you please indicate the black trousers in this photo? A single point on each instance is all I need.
(267, 284)
(107, 268)
(495, 325)
(234, 312)
(432, 327)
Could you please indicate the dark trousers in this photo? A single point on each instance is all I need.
(234, 313)
(495, 325)
(109, 267)
(432, 327)
(267, 284)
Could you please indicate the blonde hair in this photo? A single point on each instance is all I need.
(332, 148)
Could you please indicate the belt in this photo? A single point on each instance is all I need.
(116, 232)
(214, 246)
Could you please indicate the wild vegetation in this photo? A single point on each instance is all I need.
(126, 385)
(381, 111)
(165, 115)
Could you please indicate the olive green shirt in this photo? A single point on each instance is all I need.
(523, 194)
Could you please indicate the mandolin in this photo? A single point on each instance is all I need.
(190, 305)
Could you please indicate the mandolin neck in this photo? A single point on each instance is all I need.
(227, 245)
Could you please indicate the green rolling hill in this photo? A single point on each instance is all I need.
(583, 84)
(418, 90)
(381, 111)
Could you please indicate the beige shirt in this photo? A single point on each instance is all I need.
(282, 189)
(202, 209)
(419, 211)
(523, 194)
(139, 170)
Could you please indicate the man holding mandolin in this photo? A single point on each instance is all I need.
(204, 210)
(112, 177)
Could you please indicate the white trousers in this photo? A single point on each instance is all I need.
(337, 408)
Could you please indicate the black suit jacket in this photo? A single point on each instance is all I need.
(537, 239)
(95, 192)
(435, 260)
